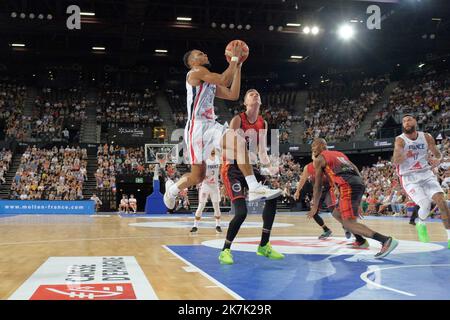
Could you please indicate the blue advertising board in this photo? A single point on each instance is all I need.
(46, 207)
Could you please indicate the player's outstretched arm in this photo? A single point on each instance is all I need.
(231, 93)
(200, 73)
(301, 183)
(319, 164)
(262, 146)
(399, 155)
(432, 146)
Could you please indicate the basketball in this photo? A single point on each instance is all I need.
(229, 51)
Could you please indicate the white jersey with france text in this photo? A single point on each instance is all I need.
(212, 171)
(200, 101)
(416, 155)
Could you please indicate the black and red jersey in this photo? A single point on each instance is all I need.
(338, 166)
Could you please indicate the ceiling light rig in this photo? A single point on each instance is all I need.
(30, 16)
(314, 30)
(233, 26)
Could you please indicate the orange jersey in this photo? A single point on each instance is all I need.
(337, 165)
(246, 125)
(312, 175)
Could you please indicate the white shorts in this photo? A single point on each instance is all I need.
(421, 185)
(201, 138)
(209, 190)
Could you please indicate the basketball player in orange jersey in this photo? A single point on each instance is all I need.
(251, 125)
(328, 197)
(202, 132)
(347, 178)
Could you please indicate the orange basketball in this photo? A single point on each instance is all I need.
(229, 51)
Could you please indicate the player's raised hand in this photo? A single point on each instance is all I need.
(237, 49)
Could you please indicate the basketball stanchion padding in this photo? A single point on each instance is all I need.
(155, 202)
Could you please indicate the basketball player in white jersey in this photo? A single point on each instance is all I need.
(209, 188)
(411, 156)
(123, 206)
(202, 132)
(133, 203)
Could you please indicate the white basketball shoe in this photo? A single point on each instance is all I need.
(262, 192)
(169, 200)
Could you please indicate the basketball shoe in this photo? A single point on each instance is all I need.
(387, 248)
(269, 252)
(263, 192)
(169, 200)
(226, 257)
(422, 232)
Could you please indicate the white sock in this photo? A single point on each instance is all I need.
(448, 234)
(218, 223)
(251, 182)
(174, 190)
(418, 221)
(196, 223)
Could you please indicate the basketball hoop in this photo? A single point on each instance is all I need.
(161, 159)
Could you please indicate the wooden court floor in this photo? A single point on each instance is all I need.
(27, 241)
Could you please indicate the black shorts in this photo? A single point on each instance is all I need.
(235, 182)
(351, 191)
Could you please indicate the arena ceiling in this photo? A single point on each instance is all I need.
(131, 30)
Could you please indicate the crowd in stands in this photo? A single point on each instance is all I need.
(54, 111)
(428, 98)
(276, 109)
(336, 111)
(115, 160)
(124, 108)
(50, 174)
(5, 161)
(12, 99)
(287, 178)
(177, 102)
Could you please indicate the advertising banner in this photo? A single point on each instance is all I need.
(46, 207)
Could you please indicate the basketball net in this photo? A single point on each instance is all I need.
(161, 158)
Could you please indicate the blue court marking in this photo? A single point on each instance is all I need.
(424, 276)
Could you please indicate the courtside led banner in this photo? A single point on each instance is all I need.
(46, 207)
